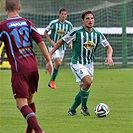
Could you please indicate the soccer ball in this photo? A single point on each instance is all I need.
(101, 110)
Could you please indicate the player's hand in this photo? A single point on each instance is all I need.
(49, 67)
(70, 46)
(109, 61)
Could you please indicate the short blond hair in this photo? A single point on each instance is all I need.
(12, 5)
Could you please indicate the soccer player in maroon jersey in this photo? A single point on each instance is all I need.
(17, 34)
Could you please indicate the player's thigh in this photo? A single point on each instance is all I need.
(56, 55)
(62, 53)
(90, 68)
(20, 102)
(79, 71)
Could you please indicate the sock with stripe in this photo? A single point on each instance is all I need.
(33, 107)
(30, 116)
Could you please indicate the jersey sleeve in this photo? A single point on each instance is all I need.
(35, 34)
(49, 27)
(103, 40)
(71, 36)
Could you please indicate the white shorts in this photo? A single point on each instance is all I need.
(80, 71)
(57, 54)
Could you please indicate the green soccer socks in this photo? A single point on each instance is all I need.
(76, 102)
(84, 96)
(80, 98)
(54, 75)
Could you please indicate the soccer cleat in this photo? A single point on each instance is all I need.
(52, 84)
(84, 111)
(72, 112)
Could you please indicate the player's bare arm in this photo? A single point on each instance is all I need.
(70, 46)
(48, 38)
(56, 46)
(109, 59)
(49, 65)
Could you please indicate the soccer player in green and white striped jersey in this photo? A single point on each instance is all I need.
(58, 29)
(85, 41)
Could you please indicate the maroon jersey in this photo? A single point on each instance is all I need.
(17, 34)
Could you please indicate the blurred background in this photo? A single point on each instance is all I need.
(114, 18)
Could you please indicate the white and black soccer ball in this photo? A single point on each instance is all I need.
(101, 110)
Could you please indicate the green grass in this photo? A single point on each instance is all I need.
(113, 87)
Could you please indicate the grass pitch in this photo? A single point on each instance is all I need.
(113, 87)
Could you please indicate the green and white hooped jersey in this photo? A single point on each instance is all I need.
(84, 44)
(58, 30)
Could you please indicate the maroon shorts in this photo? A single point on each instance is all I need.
(24, 84)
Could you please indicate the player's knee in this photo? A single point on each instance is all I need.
(18, 106)
(88, 83)
(58, 64)
(20, 102)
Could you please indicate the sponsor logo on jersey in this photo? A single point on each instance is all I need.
(16, 24)
(25, 50)
(61, 32)
(89, 45)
